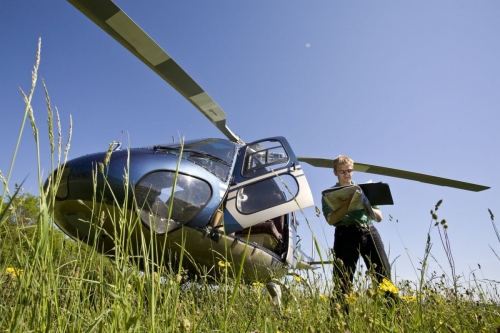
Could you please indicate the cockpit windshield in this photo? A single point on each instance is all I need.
(215, 155)
(167, 202)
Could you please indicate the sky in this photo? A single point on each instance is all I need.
(412, 85)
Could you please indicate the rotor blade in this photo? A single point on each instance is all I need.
(116, 23)
(378, 170)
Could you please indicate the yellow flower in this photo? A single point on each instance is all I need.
(409, 299)
(224, 264)
(323, 298)
(13, 273)
(257, 284)
(387, 285)
(297, 278)
(351, 299)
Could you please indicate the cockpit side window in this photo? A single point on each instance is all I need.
(261, 156)
(266, 194)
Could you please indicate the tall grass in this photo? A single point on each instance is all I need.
(53, 284)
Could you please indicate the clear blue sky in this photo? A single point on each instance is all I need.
(412, 85)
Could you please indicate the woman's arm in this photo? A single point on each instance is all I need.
(378, 214)
(337, 215)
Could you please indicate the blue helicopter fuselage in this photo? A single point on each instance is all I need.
(202, 194)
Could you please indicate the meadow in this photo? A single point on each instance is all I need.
(50, 283)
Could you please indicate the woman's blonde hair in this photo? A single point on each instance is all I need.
(342, 159)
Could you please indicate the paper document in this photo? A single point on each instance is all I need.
(334, 197)
(377, 193)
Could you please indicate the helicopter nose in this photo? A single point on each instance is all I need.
(59, 179)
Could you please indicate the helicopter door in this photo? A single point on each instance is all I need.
(267, 182)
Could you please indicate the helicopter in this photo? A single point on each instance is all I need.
(214, 201)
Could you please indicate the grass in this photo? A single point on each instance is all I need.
(49, 283)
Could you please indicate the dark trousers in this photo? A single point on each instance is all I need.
(351, 242)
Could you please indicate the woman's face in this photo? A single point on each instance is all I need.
(344, 174)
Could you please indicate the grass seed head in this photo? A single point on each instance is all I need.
(2, 178)
(438, 204)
